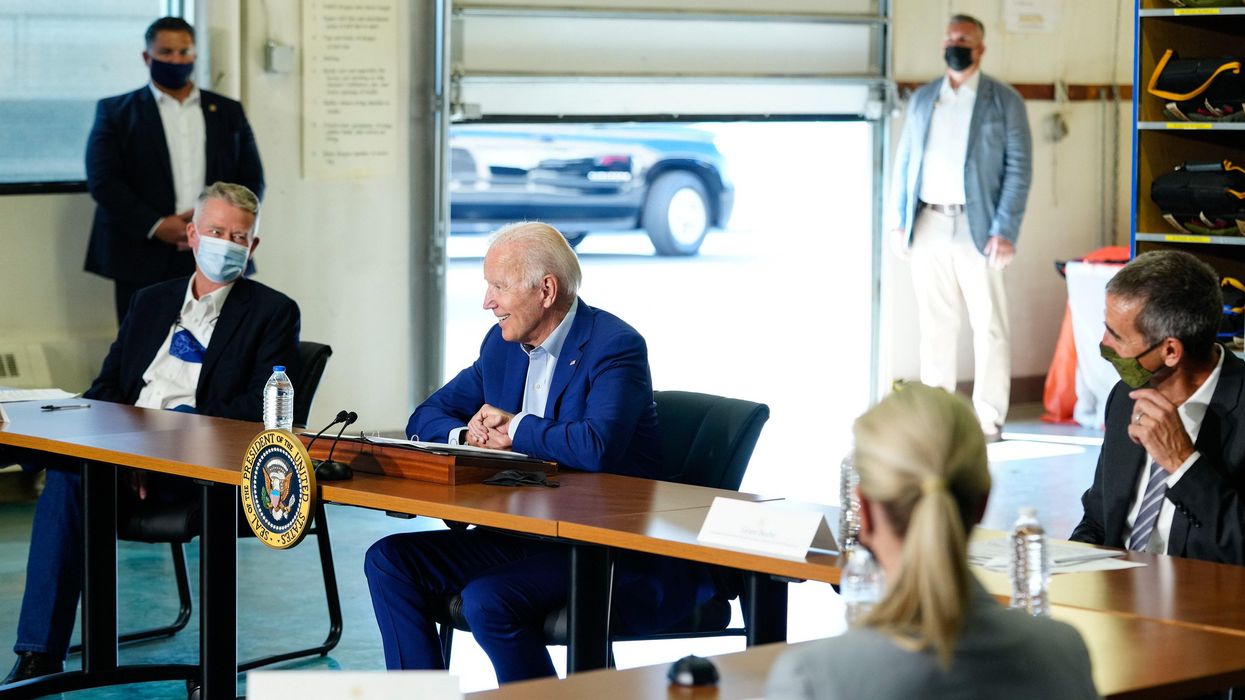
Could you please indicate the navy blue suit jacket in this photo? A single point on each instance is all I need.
(257, 329)
(1209, 522)
(130, 177)
(600, 415)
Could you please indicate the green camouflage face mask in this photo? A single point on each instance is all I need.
(1129, 368)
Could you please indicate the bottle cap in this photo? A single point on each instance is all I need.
(278, 368)
(1028, 513)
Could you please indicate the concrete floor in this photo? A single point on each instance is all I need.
(280, 600)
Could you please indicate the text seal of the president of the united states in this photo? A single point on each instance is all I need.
(278, 488)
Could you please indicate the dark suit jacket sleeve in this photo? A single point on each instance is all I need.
(1091, 527)
(250, 171)
(449, 407)
(1210, 500)
(107, 181)
(278, 346)
(108, 385)
(620, 391)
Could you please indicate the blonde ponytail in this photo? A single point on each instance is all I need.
(921, 456)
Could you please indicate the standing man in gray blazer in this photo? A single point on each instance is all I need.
(961, 178)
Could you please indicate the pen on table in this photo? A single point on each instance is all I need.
(64, 407)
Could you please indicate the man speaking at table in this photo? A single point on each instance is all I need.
(1171, 474)
(559, 380)
(204, 344)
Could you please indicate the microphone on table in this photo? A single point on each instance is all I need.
(328, 470)
(341, 416)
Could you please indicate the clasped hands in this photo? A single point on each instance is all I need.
(1156, 426)
(489, 428)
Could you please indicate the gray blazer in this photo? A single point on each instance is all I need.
(997, 168)
(1001, 653)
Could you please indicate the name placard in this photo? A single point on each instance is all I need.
(767, 528)
(356, 685)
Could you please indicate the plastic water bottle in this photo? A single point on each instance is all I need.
(861, 585)
(849, 505)
(1030, 564)
(279, 401)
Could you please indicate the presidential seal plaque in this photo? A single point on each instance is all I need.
(278, 488)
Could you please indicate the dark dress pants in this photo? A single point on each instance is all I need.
(508, 585)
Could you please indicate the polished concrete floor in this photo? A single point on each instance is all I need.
(280, 599)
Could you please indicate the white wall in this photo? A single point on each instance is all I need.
(1070, 178)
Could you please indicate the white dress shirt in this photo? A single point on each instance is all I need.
(171, 381)
(946, 144)
(542, 360)
(186, 138)
(1191, 413)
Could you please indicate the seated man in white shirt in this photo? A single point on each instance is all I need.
(203, 344)
(1171, 473)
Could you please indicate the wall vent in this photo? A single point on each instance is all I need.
(24, 366)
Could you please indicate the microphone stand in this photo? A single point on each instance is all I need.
(328, 470)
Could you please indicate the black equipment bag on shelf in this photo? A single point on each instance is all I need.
(1199, 89)
(1203, 198)
(1233, 309)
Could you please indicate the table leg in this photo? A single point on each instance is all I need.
(588, 608)
(99, 582)
(765, 599)
(218, 592)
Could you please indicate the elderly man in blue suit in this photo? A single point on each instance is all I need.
(559, 380)
(149, 155)
(961, 178)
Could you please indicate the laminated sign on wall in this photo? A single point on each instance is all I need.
(350, 89)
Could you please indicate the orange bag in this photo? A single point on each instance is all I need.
(1059, 397)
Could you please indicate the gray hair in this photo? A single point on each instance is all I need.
(969, 19)
(235, 195)
(1180, 298)
(540, 249)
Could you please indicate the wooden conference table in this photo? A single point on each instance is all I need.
(1173, 661)
(210, 451)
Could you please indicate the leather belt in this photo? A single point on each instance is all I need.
(946, 209)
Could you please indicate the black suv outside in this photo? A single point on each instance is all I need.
(668, 180)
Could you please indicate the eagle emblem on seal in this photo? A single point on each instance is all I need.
(276, 494)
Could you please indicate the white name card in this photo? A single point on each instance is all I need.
(772, 528)
(356, 685)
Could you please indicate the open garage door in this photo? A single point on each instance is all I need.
(732, 151)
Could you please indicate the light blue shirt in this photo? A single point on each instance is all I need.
(541, 362)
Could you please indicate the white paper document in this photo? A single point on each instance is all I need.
(11, 395)
(1065, 557)
(767, 528)
(356, 685)
(428, 446)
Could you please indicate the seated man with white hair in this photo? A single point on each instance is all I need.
(559, 380)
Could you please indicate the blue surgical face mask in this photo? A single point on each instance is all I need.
(219, 260)
(173, 76)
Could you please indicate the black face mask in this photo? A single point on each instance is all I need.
(173, 76)
(958, 57)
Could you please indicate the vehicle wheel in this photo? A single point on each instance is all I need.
(676, 214)
(575, 238)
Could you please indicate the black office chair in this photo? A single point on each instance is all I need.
(178, 523)
(706, 440)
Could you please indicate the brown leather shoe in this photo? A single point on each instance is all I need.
(32, 664)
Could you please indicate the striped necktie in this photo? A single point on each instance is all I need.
(1151, 504)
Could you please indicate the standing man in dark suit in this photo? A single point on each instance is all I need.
(204, 344)
(150, 153)
(1171, 474)
(559, 380)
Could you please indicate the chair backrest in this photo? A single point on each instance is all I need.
(313, 357)
(707, 440)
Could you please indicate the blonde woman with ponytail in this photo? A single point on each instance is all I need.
(936, 633)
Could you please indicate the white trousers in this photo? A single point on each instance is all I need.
(946, 266)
